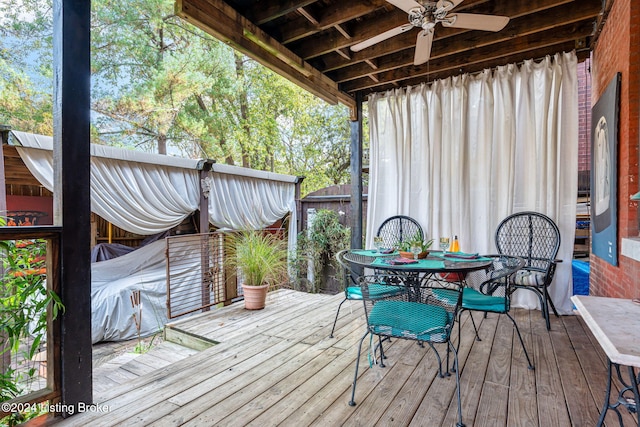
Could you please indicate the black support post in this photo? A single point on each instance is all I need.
(72, 204)
(356, 175)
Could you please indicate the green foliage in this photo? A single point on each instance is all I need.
(406, 245)
(260, 256)
(319, 245)
(26, 66)
(24, 304)
(143, 347)
(161, 84)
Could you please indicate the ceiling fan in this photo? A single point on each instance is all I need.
(425, 15)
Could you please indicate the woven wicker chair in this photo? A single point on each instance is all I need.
(489, 291)
(535, 238)
(398, 228)
(425, 315)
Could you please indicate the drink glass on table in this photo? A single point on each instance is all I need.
(415, 250)
(377, 242)
(444, 244)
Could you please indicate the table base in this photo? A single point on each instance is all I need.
(628, 396)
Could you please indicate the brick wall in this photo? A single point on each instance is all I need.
(618, 50)
(584, 115)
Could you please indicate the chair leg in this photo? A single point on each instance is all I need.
(546, 299)
(545, 313)
(521, 341)
(440, 372)
(352, 402)
(455, 366)
(336, 319)
(382, 356)
(473, 322)
(379, 346)
(544, 307)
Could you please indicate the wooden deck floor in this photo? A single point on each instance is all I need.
(278, 366)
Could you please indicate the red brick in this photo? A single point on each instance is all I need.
(617, 51)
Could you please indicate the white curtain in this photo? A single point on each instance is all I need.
(146, 193)
(144, 200)
(461, 154)
(239, 202)
(138, 197)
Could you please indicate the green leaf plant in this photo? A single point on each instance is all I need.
(24, 303)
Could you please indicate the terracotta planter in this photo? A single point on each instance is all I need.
(255, 297)
(452, 277)
(421, 255)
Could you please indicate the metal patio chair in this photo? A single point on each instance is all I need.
(535, 238)
(489, 291)
(426, 316)
(350, 277)
(398, 228)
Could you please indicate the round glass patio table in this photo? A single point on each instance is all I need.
(436, 267)
(436, 262)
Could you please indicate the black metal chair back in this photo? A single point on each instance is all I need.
(535, 238)
(397, 229)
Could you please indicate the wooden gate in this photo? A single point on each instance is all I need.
(196, 278)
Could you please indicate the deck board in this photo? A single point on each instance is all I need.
(278, 366)
(522, 399)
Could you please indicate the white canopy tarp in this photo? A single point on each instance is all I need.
(148, 193)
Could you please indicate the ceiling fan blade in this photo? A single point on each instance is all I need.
(423, 46)
(381, 37)
(472, 21)
(446, 5)
(405, 5)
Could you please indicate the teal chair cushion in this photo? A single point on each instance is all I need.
(475, 300)
(423, 322)
(375, 291)
(447, 296)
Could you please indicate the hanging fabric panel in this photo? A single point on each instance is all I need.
(238, 202)
(461, 154)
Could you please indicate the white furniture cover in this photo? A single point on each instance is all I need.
(146, 194)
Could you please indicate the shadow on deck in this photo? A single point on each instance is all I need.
(278, 366)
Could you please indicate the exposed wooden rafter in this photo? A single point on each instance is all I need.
(222, 21)
(308, 41)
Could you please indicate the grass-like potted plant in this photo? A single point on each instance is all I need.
(406, 246)
(260, 258)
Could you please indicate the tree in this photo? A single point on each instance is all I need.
(144, 75)
(25, 44)
(159, 83)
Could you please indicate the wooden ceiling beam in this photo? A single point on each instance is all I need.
(325, 44)
(342, 31)
(269, 10)
(301, 27)
(494, 52)
(545, 21)
(222, 21)
(344, 53)
(302, 11)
